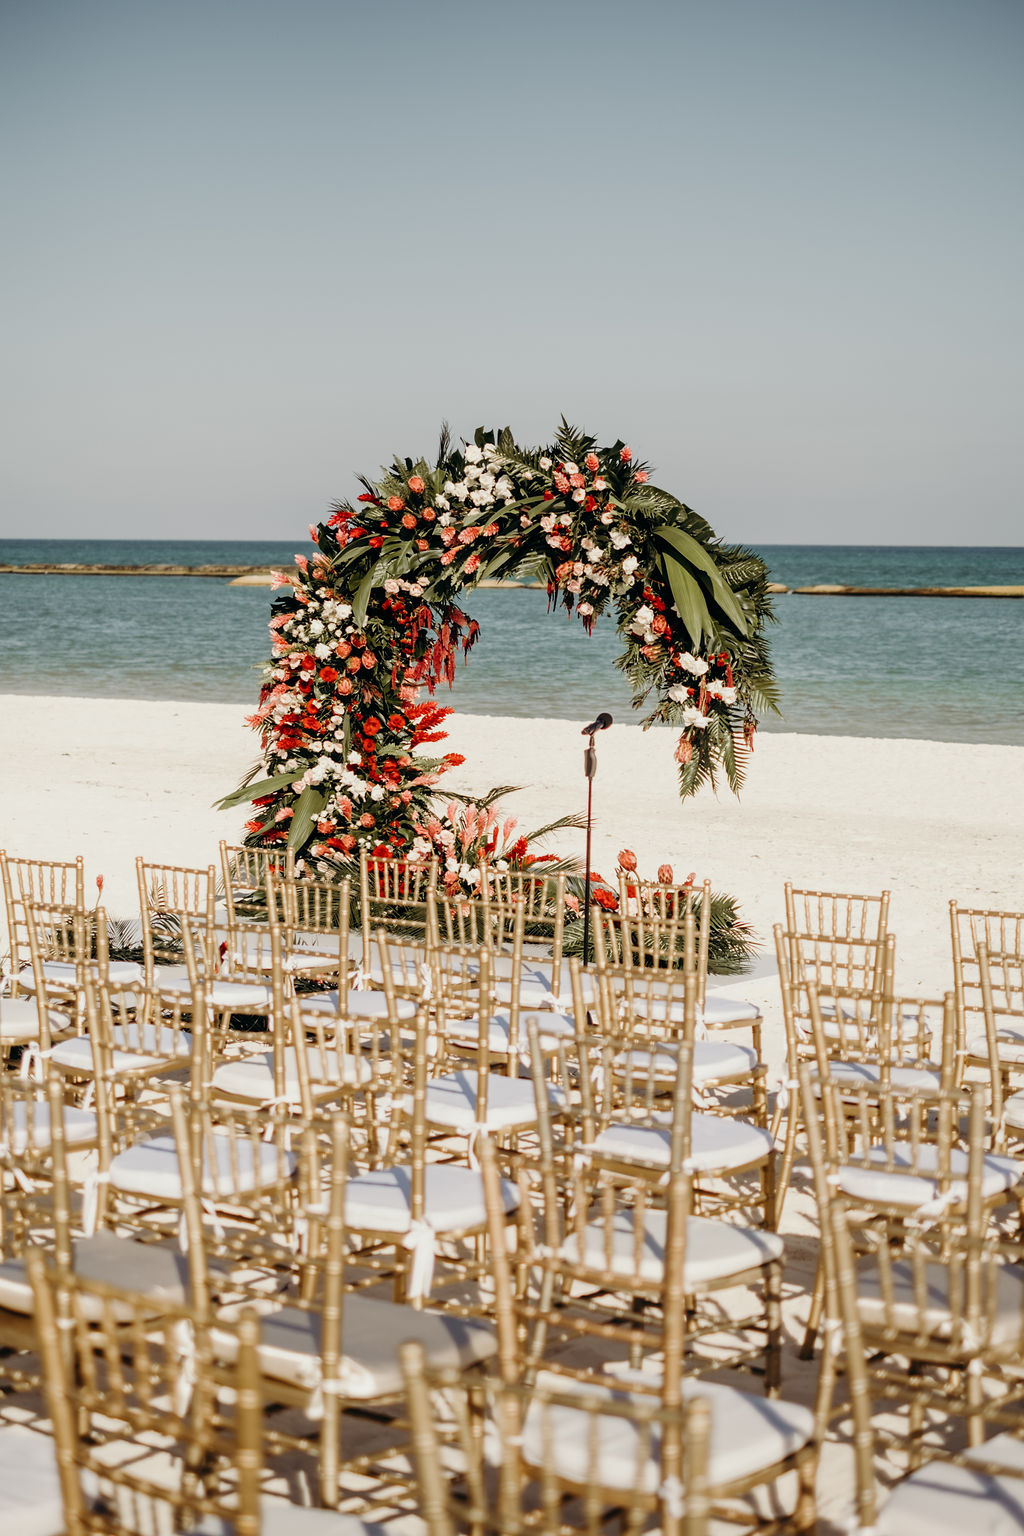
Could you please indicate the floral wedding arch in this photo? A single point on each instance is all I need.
(363, 632)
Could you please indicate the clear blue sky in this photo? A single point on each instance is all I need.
(255, 246)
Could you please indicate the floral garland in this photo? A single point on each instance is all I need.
(368, 625)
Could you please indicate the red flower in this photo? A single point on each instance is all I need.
(372, 726)
(627, 859)
(625, 454)
(408, 521)
(366, 820)
(395, 504)
(605, 898)
(561, 481)
(428, 514)
(376, 542)
(416, 485)
(684, 751)
(641, 477)
(665, 874)
(490, 530)
(328, 675)
(345, 686)
(471, 564)
(366, 496)
(396, 722)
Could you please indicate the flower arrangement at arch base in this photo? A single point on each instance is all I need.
(364, 630)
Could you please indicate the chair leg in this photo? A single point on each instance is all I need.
(788, 1156)
(814, 1317)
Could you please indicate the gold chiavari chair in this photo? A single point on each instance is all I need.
(891, 1047)
(400, 896)
(907, 1211)
(243, 1159)
(642, 1008)
(146, 1438)
(244, 979)
(410, 1212)
(244, 872)
(315, 917)
(733, 1159)
(324, 1349)
(504, 1489)
(166, 891)
(1001, 932)
(720, 1256)
(629, 1237)
(853, 978)
(980, 1488)
(53, 882)
(999, 1051)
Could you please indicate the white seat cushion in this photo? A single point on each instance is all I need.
(136, 1049)
(153, 1269)
(122, 973)
(713, 1061)
(718, 1144)
(552, 1026)
(30, 1496)
(150, 1168)
(910, 1079)
(358, 1005)
(452, 1102)
(715, 1250)
(1009, 1044)
(916, 1187)
(1002, 1320)
(718, 1011)
(19, 1021)
(748, 1435)
(79, 1126)
(252, 1077)
(372, 1329)
(453, 1200)
(941, 1497)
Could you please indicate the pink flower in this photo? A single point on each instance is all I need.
(625, 454)
(302, 562)
(592, 462)
(396, 504)
(627, 859)
(471, 564)
(641, 477)
(665, 874)
(416, 485)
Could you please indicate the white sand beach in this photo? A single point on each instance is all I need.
(112, 778)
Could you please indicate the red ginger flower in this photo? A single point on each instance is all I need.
(627, 859)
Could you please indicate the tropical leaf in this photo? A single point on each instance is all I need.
(689, 600)
(250, 791)
(307, 808)
(689, 552)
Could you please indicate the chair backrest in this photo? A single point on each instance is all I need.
(166, 890)
(314, 917)
(65, 942)
(117, 1374)
(836, 914)
(1002, 933)
(398, 895)
(658, 911)
(53, 882)
(540, 897)
(244, 872)
(1001, 983)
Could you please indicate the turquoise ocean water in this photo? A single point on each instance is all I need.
(941, 669)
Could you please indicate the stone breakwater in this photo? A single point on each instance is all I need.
(262, 576)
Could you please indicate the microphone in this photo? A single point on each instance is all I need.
(602, 723)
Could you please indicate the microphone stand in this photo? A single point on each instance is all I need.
(589, 769)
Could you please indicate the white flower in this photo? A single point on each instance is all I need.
(679, 694)
(343, 610)
(472, 454)
(472, 472)
(490, 452)
(571, 469)
(505, 489)
(721, 691)
(585, 608)
(391, 586)
(695, 717)
(316, 628)
(619, 539)
(644, 615)
(445, 520)
(442, 502)
(482, 499)
(377, 791)
(600, 484)
(629, 565)
(545, 463)
(593, 553)
(487, 480)
(695, 665)
(460, 491)
(580, 495)
(322, 652)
